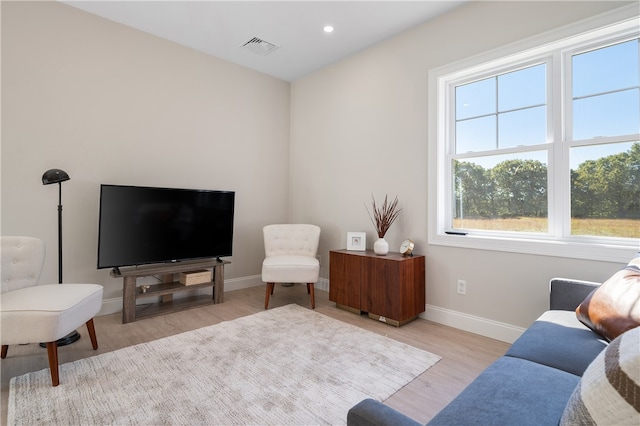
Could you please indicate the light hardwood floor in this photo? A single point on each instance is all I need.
(464, 355)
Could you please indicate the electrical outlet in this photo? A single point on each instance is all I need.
(462, 287)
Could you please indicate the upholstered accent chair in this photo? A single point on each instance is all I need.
(32, 313)
(290, 257)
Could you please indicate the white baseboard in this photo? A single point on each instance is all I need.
(113, 305)
(240, 283)
(477, 325)
(110, 306)
(322, 284)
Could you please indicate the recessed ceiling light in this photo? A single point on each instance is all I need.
(328, 29)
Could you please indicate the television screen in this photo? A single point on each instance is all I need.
(142, 225)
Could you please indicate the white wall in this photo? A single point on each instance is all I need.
(109, 104)
(360, 127)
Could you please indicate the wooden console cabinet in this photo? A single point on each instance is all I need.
(169, 285)
(389, 288)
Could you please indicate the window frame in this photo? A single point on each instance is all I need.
(555, 48)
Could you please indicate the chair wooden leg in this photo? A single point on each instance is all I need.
(312, 294)
(92, 334)
(5, 348)
(52, 351)
(269, 292)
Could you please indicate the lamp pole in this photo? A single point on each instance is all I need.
(59, 232)
(58, 176)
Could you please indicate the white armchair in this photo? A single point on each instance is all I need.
(32, 313)
(290, 257)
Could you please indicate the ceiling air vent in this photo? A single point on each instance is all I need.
(259, 46)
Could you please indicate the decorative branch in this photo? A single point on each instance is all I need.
(384, 215)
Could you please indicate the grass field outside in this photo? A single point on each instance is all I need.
(619, 228)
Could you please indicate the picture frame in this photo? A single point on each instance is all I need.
(356, 241)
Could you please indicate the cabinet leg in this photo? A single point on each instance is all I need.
(218, 288)
(167, 298)
(129, 300)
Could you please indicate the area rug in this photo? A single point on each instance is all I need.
(284, 366)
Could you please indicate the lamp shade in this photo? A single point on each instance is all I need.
(54, 176)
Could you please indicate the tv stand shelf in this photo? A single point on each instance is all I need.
(165, 290)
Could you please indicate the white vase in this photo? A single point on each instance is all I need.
(381, 247)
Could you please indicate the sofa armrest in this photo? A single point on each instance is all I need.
(566, 294)
(370, 412)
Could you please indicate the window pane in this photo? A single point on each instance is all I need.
(612, 114)
(476, 99)
(523, 88)
(478, 134)
(522, 128)
(605, 190)
(501, 192)
(607, 69)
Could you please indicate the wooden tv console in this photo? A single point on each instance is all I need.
(169, 285)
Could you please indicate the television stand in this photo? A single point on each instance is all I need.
(169, 285)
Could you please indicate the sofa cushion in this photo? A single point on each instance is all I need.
(614, 307)
(511, 391)
(557, 339)
(609, 391)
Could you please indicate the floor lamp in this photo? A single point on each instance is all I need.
(58, 176)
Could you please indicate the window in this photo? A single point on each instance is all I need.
(539, 150)
(498, 155)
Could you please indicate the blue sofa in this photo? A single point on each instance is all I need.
(529, 385)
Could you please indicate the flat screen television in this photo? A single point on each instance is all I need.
(143, 225)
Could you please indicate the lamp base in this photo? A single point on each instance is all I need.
(70, 338)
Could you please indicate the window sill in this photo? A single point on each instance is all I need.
(569, 249)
